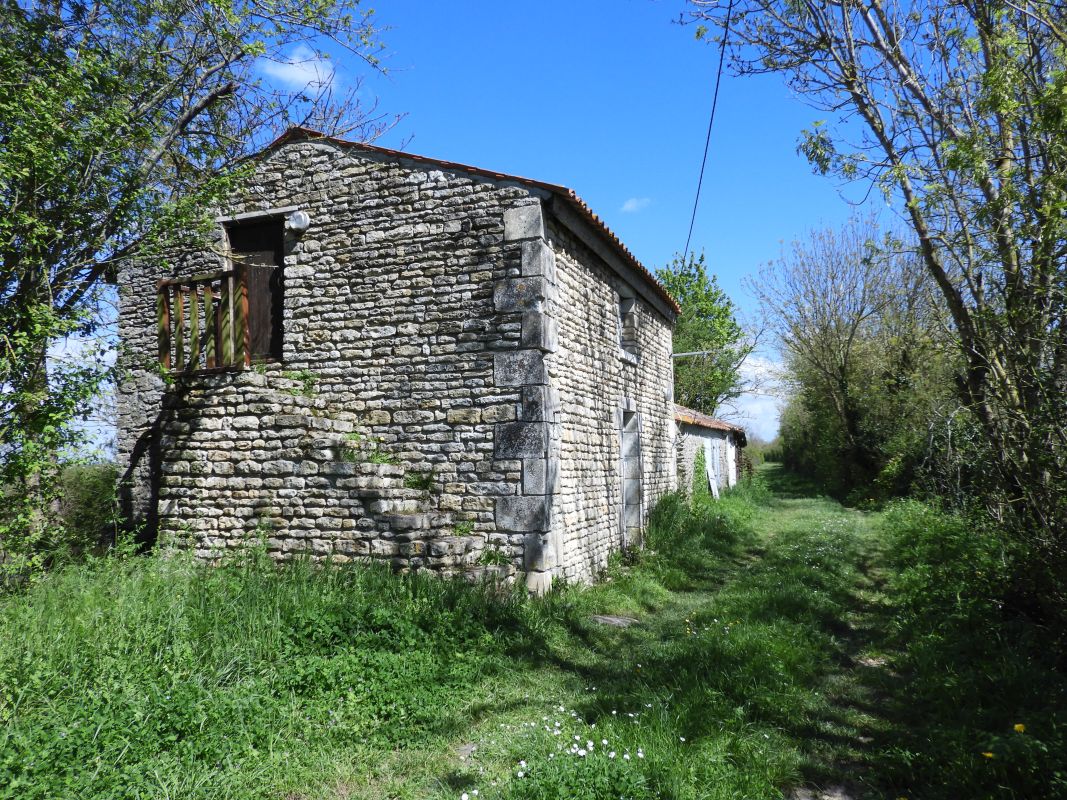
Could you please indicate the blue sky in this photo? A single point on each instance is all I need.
(611, 99)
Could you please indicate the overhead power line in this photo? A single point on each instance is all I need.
(711, 121)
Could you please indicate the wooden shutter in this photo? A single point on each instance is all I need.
(259, 271)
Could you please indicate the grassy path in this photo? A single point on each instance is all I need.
(744, 677)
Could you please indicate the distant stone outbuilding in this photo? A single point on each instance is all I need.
(381, 355)
(721, 443)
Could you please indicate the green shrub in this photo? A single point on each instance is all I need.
(423, 481)
(88, 506)
(700, 487)
(946, 567)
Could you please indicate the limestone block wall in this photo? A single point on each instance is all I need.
(247, 456)
(598, 383)
(388, 304)
(446, 314)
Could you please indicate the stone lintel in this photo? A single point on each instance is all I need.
(523, 514)
(524, 222)
(519, 368)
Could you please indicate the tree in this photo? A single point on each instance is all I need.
(858, 335)
(122, 122)
(957, 111)
(707, 323)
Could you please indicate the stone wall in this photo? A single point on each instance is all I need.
(423, 310)
(598, 383)
(252, 455)
(388, 304)
(717, 446)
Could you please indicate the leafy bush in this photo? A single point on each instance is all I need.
(423, 481)
(88, 507)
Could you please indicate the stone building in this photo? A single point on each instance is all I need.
(721, 444)
(381, 355)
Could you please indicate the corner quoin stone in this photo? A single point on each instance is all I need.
(519, 294)
(521, 440)
(540, 403)
(538, 552)
(524, 222)
(538, 259)
(522, 514)
(519, 368)
(539, 331)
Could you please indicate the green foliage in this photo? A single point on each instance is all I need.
(492, 554)
(594, 776)
(359, 449)
(172, 677)
(777, 634)
(88, 505)
(869, 373)
(707, 322)
(980, 679)
(701, 490)
(424, 481)
(982, 183)
(121, 126)
(308, 381)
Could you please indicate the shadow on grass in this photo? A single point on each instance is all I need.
(805, 642)
(786, 485)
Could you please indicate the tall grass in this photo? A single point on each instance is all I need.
(157, 676)
(743, 675)
(981, 702)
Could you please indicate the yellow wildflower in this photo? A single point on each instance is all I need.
(1020, 728)
(987, 755)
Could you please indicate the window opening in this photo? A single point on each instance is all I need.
(628, 325)
(230, 317)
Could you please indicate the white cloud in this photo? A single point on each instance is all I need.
(302, 69)
(635, 204)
